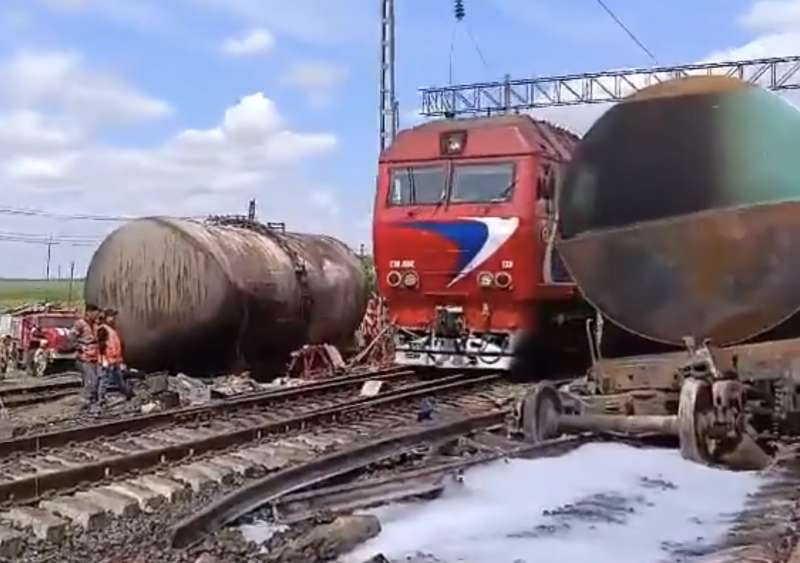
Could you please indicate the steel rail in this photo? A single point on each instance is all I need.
(22, 399)
(36, 485)
(57, 438)
(304, 504)
(255, 495)
(39, 386)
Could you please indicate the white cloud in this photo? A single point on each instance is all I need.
(38, 168)
(60, 80)
(312, 21)
(254, 42)
(326, 200)
(251, 153)
(577, 119)
(773, 15)
(28, 131)
(252, 119)
(765, 46)
(318, 80)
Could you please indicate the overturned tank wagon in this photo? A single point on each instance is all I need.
(209, 297)
(680, 212)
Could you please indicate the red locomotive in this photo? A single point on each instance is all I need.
(464, 232)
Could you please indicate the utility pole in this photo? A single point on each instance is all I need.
(49, 253)
(59, 272)
(251, 210)
(389, 109)
(71, 279)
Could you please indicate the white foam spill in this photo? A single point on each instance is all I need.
(630, 504)
(260, 531)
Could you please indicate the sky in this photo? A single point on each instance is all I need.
(192, 107)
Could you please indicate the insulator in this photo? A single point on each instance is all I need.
(459, 9)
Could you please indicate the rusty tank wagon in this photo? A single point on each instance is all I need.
(225, 294)
(680, 212)
(679, 220)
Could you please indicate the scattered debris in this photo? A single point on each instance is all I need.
(329, 541)
(372, 388)
(150, 407)
(315, 361)
(191, 391)
(235, 384)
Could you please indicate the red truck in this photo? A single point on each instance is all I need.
(35, 338)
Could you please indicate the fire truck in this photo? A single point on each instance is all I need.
(35, 338)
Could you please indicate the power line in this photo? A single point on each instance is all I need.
(48, 242)
(29, 212)
(477, 47)
(45, 237)
(460, 14)
(625, 28)
(32, 212)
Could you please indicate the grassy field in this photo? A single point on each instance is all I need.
(18, 292)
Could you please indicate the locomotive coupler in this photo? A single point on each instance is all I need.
(449, 322)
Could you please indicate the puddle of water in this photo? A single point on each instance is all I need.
(601, 502)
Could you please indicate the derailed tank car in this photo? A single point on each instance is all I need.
(206, 298)
(680, 212)
(680, 222)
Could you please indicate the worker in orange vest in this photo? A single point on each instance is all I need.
(84, 333)
(111, 358)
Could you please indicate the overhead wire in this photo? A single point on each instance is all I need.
(477, 46)
(30, 212)
(460, 13)
(48, 242)
(627, 30)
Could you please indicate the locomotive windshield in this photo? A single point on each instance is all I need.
(417, 185)
(481, 183)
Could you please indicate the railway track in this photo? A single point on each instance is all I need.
(83, 476)
(49, 389)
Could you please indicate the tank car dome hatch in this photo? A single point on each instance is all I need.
(202, 298)
(679, 213)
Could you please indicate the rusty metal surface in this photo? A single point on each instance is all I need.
(754, 361)
(679, 212)
(204, 298)
(611, 423)
(726, 274)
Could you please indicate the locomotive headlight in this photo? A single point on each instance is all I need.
(394, 278)
(451, 143)
(411, 279)
(503, 280)
(485, 279)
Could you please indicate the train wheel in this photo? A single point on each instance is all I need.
(540, 411)
(696, 403)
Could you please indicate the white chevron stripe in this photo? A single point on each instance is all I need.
(500, 230)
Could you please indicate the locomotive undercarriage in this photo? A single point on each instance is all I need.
(448, 343)
(729, 406)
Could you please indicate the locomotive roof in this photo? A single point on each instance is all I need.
(502, 135)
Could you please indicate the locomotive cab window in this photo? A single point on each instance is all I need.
(482, 183)
(417, 185)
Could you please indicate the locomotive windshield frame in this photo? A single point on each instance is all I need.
(405, 176)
